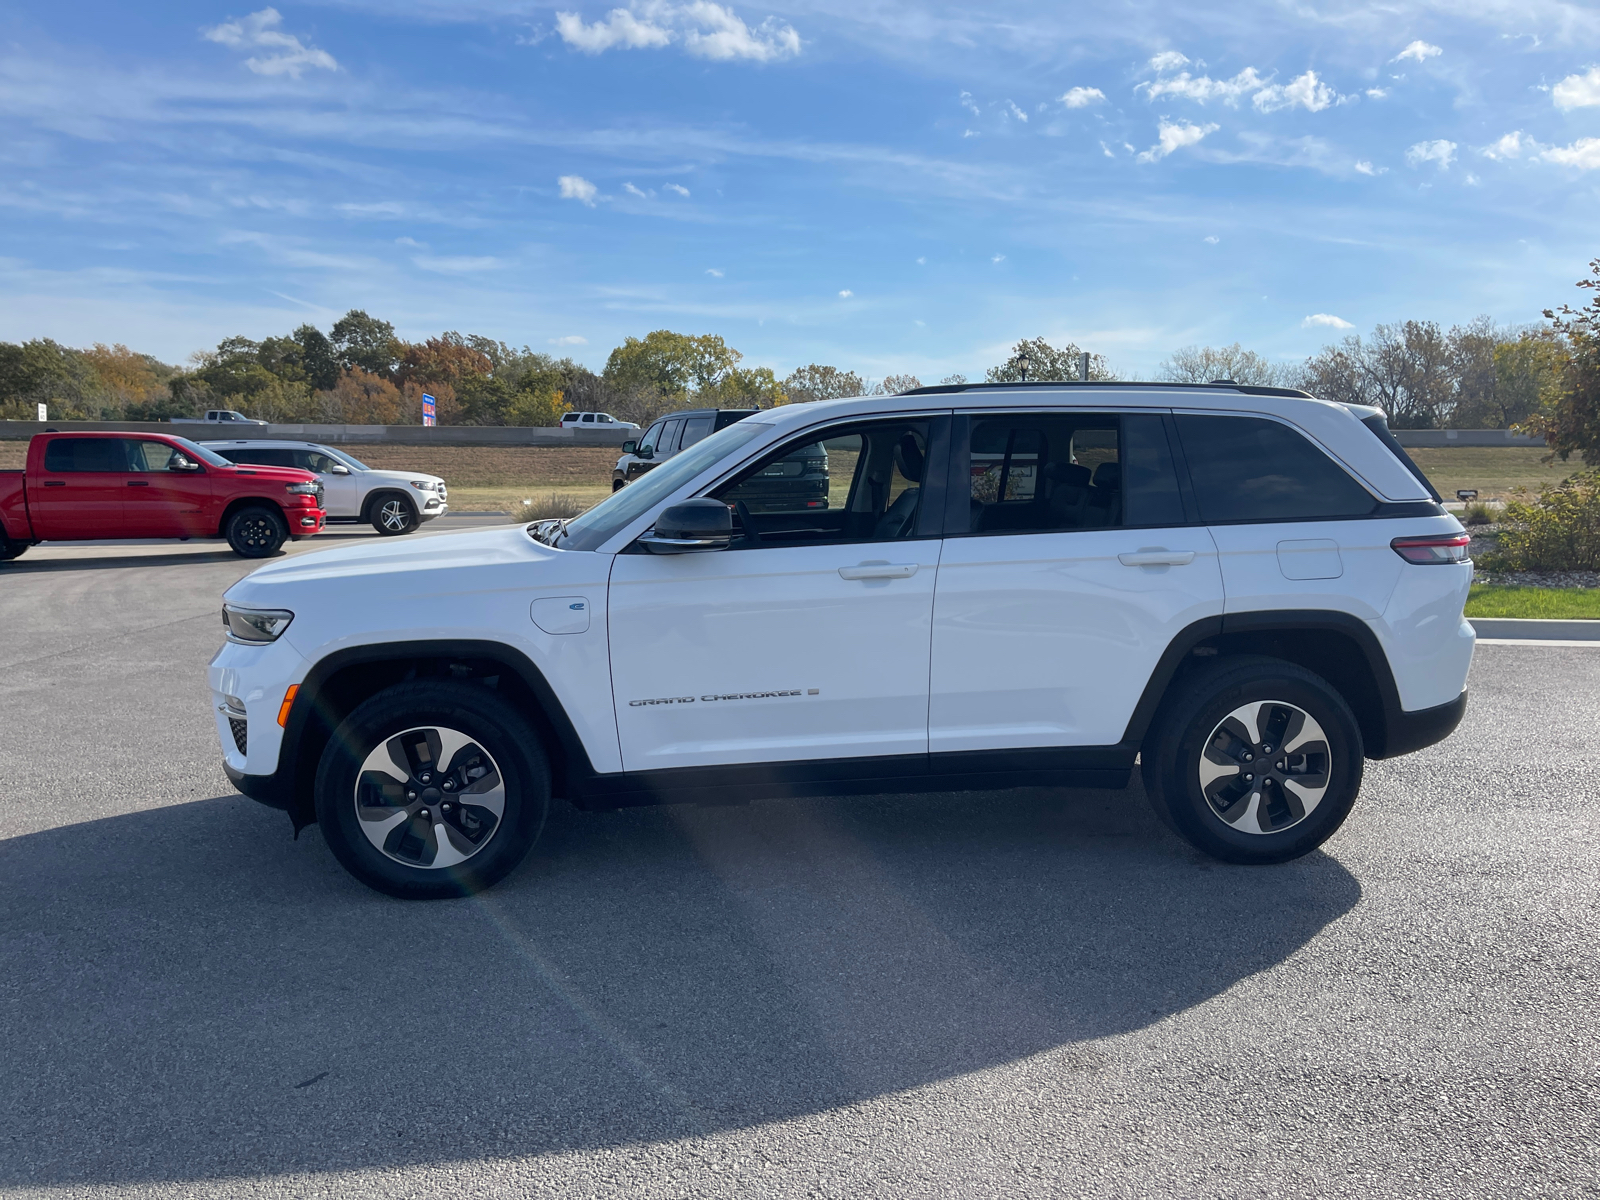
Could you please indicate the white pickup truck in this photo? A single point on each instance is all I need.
(218, 416)
(1244, 592)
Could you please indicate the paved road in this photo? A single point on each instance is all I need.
(1016, 994)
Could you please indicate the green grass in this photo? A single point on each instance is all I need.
(1562, 604)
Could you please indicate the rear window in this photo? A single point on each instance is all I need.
(261, 456)
(1252, 469)
(71, 454)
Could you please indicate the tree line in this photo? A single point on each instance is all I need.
(1477, 375)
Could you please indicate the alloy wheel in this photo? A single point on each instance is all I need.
(1265, 767)
(256, 531)
(430, 797)
(394, 515)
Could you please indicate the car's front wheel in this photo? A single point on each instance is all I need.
(618, 484)
(1254, 761)
(256, 532)
(432, 789)
(392, 515)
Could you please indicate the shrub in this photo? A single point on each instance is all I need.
(1558, 531)
(1478, 513)
(543, 508)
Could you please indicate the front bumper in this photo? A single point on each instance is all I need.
(306, 522)
(263, 789)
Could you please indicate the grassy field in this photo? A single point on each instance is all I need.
(1559, 604)
(486, 478)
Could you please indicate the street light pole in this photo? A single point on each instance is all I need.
(1024, 362)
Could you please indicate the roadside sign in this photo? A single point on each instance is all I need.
(44, 412)
(430, 411)
(1466, 493)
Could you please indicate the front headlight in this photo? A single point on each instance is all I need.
(255, 626)
(310, 488)
(424, 485)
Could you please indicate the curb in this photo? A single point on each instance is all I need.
(1524, 629)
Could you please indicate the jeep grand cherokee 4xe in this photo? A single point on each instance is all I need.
(1245, 592)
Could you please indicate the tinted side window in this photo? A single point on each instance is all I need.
(669, 438)
(652, 435)
(86, 454)
(261, 457)
(1252, 469)
(1149, 477)
(695, 429)
(1042, 472)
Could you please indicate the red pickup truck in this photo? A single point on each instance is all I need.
(82, 486)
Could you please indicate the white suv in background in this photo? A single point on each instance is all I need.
(390, 501)
(593, 420)
(1246, 592)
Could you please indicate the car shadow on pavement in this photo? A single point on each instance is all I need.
(42, 566)
(189, 994)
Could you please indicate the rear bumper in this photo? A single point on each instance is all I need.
(1410, 731)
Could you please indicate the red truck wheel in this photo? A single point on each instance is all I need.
(256, 532)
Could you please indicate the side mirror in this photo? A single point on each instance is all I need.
(702, 524)
(179, 463)
(630, 447)
(338, 469)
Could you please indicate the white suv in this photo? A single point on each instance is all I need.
(1244, 591)
(390, 501)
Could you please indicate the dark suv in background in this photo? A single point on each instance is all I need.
(800, 480)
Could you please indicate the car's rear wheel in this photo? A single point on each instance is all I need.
(256, 532)
(11, 549)
(392, 515)
(1254, 761)
(432, 789)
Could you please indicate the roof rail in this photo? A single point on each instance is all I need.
(1248, 389)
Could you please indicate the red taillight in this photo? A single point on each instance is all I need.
(1435, 548)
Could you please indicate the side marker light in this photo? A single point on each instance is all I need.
(288, 703)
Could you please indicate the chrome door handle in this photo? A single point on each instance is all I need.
(879, 571)
(1157, 558)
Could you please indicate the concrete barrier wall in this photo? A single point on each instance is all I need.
(333, 435)
(494, 435)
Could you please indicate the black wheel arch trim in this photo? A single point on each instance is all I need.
(290, 786)
(1387, 733)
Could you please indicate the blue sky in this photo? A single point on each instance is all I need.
(878, 185)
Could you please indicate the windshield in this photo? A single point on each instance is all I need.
(594, 527)
(195, 450)
(346, 459)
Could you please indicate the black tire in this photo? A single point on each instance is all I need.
(1281, 813)
(402, 813)
(392, 514)
(256, 531)
(618, 484)
(10, 549)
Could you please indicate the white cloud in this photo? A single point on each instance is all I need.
(1306, 90)
(1174, 137)
(998, 258)
(675, 188)
(576, 187)
(405, 241)
(1366, 168)
(572, 339)
(1106, 150)
(971, 105)
(620, 28)
(1510, 146)
(922, 262)
(285, 53)
(714, 272)
(845, 294)
(1377, 93)
(1017, 112)
(1418, 51)
(1212, 239)
(1583, 154)
(633, 191)
(1203, 88)
(1437, 151)
(1168, 60)
(1082, 97)
(1578, 91)
(1325, 321)
(966, 133)
(455, 265)
(704, 29)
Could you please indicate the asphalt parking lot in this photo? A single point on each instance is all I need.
(1010, 994)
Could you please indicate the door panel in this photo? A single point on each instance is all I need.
(766, 655)
(160, 502)
(79, 493)
(1048, 639)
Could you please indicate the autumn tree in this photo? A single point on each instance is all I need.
(1046, 362)
(896, 385)
(817, 382)
(1205, 364)
(363, 398)
(1572, 426)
